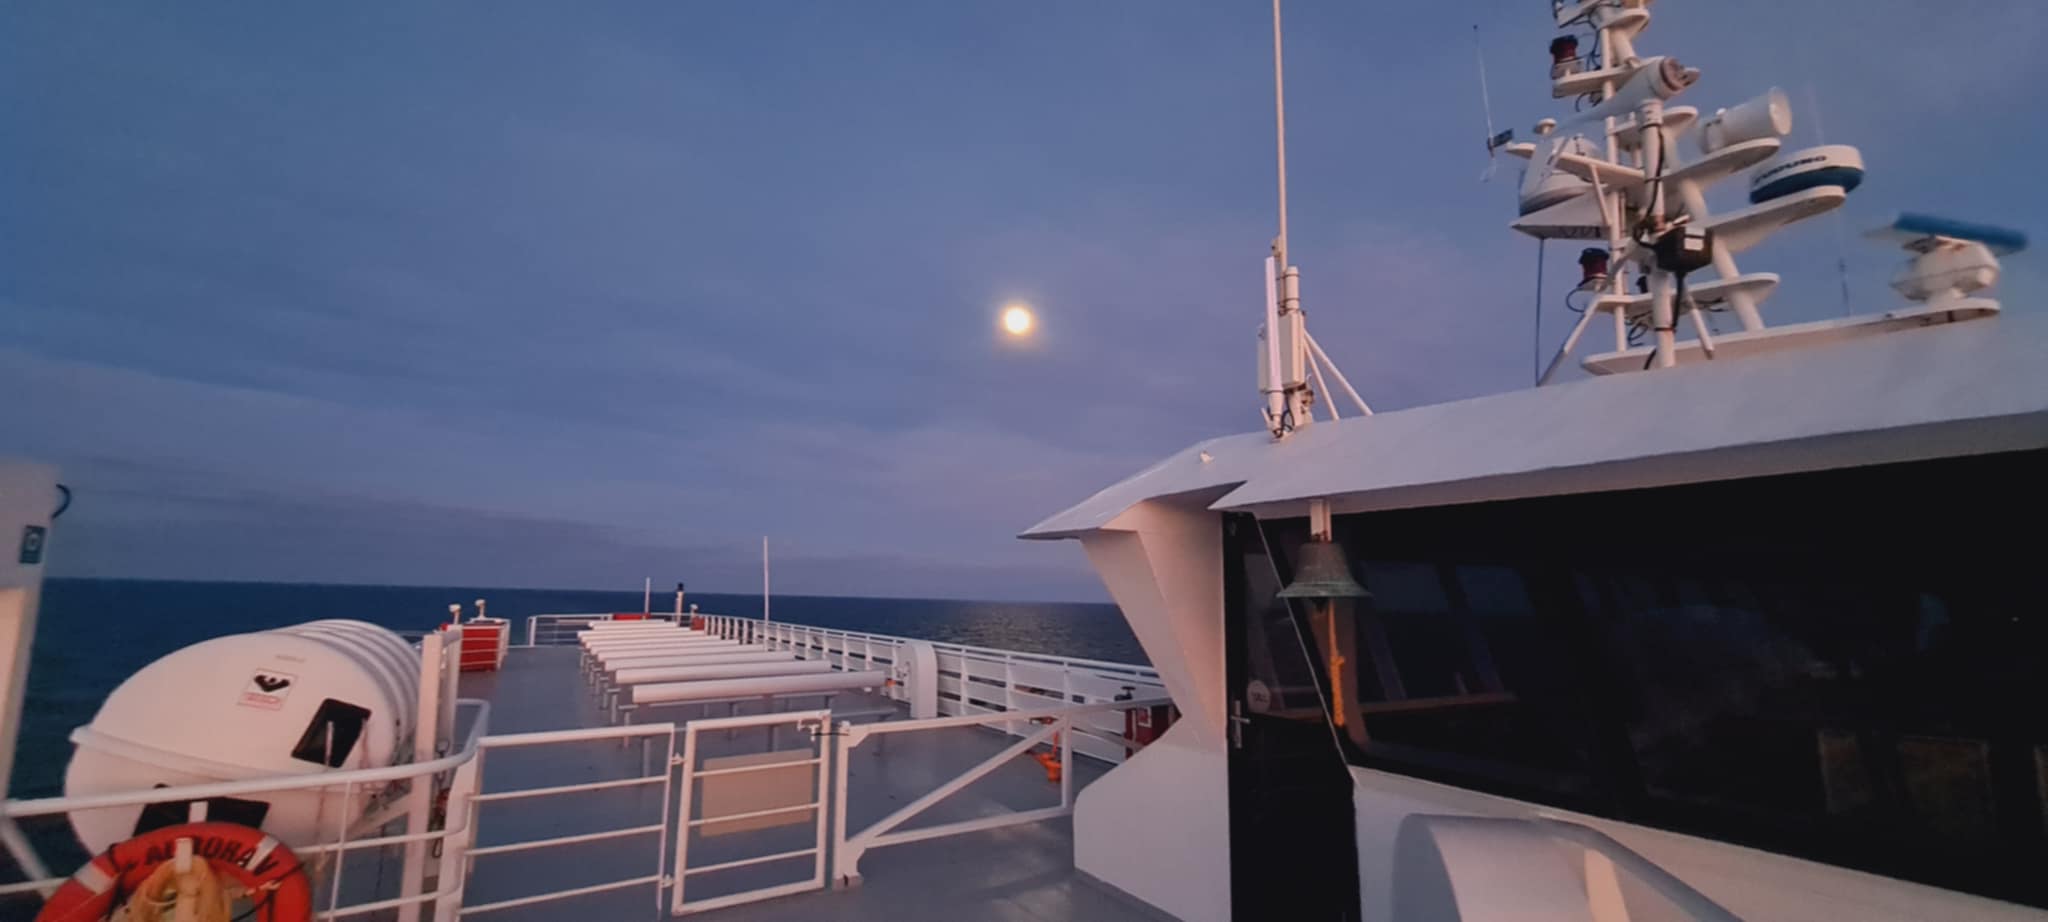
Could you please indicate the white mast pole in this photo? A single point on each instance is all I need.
(764, 579)
(1280, 136)
(1276, 264)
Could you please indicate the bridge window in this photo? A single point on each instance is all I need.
(1844, 666)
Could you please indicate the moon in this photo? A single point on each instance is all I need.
(1017, 320)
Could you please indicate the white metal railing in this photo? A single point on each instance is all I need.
(1074, 702)
(1036, 726)
(456, 836)
(557, 629)
(664, 733)
(383, 795)
(976, 680)
(817, 722)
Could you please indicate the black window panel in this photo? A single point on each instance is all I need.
(332, 734)
(165, 814)
(1848, 666)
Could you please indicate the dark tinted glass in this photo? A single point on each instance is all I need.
(1849, 666)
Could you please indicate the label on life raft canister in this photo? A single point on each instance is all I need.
(267, 690)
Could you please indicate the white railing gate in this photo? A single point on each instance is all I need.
(750, 791)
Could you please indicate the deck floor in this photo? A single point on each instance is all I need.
(1018, 873)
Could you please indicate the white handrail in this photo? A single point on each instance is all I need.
(456, 828)
(535, 624)
(726, 624)
(847, 848)
(44, 806)
(972, 680)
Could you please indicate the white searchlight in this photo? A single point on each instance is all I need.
(1659, 79)
(1767, 116)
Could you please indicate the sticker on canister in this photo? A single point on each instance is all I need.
(267, 690)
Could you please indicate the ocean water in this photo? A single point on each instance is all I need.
(91, 634)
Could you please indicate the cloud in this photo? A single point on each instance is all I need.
(352, 295)
(192, 480)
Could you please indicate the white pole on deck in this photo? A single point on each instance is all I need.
(647, 597)
(764, 579)
(1280, 135)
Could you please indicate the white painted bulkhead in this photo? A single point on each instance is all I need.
(1158, 826)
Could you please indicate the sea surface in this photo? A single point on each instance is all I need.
(92, 634)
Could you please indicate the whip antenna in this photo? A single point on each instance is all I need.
(1493, 141)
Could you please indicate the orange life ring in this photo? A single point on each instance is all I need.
(248, 856)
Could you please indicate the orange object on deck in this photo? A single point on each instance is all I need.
(484, 641)
(1051, 758)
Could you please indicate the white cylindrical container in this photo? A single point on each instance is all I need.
(393, 658)
(296, 701)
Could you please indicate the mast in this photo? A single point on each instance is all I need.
(1280, 134)
(1288, 358)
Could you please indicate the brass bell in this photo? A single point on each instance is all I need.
(1320, 572)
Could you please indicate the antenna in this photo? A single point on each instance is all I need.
(1280, 135)
(1493, 141)
(1288, 358)
(1820, 136)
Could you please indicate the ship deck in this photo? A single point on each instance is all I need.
(1023, 872)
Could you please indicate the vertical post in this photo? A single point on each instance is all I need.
(668, 773)
(764, 579)
(683, 809)
(21, 588)
(647, 596)
(823, 738)
(1663, 317)
(455, 845)
(1280, 137)
(1536, 334)
(1066, 732)
(842, 745)
(451, 677)
(1010, 685)
(1276, 399)
(426, 747)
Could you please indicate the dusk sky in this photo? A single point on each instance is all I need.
(555, 295)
